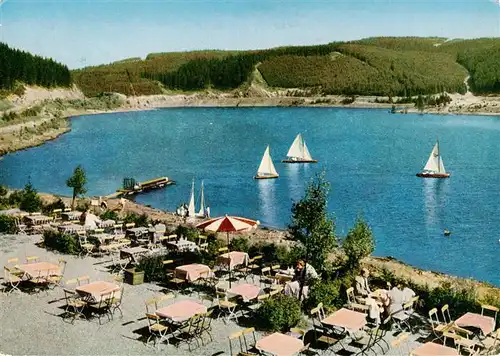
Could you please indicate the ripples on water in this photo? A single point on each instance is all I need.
(370, 158)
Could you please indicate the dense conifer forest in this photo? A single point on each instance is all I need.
(19, 66)
(395, 66)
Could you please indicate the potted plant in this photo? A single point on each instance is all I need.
(134, 276)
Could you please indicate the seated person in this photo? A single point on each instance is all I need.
(303, 271)
(399, 296)
(362, 287)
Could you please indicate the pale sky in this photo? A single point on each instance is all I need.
(90, 32)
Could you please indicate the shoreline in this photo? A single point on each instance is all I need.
(466, 104)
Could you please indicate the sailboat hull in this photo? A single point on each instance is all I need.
(268, 176)
(433, 175)
(299, 161)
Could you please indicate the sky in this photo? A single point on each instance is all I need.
(79, 33)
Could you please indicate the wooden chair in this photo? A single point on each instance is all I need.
(206, 325)
(491, 309)
(103, 307)
(86, 247)
(11, 265)
(169, 271)
(74, 304)
(32, 259)
(129, 225)
(297, 333)
(54, 281)
(223, 250)
(157, 331)
(67, 210)
(236, 335)
(265, 276)
(437, 327)
(20, 227)
(491, 343)
(149, 305)
(71, 283)
(249, 345)
(11, 281)
(322, 334)
(352, 304)
(83, 280)
(227, 306)
(162, 299)
(116, 302)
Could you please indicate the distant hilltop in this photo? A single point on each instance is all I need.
(379, 66)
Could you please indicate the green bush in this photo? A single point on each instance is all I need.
(280, 313)
(289, 255)
(64, 243)
(30, 200)
(83, 205)
(7, 224)
(240, 244)
(3, 190)
(139, 220)
(153, 268)
(190, 233)
(109, 215)
(331, 294)
(58, 204)
(359, 243)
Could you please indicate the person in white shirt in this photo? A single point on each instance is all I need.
(362, 287)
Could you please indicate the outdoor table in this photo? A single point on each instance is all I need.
(183, 245)
(71, 215)
(283, 277)
(280, 344)
(132, 253)
(137, 231)
(39, 269)
(71, 228)
(181, 311)
(191, 272)
(232, 259)
(103, 237)
(94, 290)
(433, 349)
(349, 320)
(485, 323)
(38, 219)
(246, 291)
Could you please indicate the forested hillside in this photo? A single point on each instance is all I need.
(20, 66)
(374, 66)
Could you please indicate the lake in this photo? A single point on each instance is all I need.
(370, 158)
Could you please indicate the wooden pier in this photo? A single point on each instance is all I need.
(131, 187)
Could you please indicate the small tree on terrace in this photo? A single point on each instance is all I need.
(311, 224)
(358, 243)
(77, 181)
(30, 200)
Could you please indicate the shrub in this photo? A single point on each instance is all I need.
(109, 215)
(240, 244)
(331, 294)
(30, 200)
(83, 205)
(139, 220)
(3, 190)
(153, 268)
(7, 224)
(15, 198)
(280, 313)
(58, 204)
(190, 233)
(64, 243)
(289, 255)
(358, 243)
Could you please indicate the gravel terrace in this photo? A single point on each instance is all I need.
(31, 324)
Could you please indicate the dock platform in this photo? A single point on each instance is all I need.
(131, 187)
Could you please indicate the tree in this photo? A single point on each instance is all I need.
(77, 181)
(311, 224)
(358, 243)
(420, 104)
(30, 200)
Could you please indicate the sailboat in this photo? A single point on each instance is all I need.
(298, 152)
(434, 168)
(266, 169)
(203, 213)
(192, 207)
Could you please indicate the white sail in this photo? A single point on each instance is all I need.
(441, 165)
(298, 150)
(202, 202)
(266, 165)
(297, 147)
(433, 164)
(307, 155)
(191, 207)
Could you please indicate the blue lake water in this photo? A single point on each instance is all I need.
(370, 158)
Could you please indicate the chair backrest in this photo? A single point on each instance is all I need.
(149, 302)
(434, 318)
(298, 331)
(36, 213)
(83, 280)
(223, 250)
(316, 317)
(266, 271)
(350, 295)
(275, 268)
(163, 298)
(263, 296)
(12, 260)
(168, 262)
(32, 259)
(445, 311)
(67, 210)
(56, 211)
(129, 225)
(234, 336)
(322, 314)
(71, 282)
(98, 231)
(249, 332)
(491, 309)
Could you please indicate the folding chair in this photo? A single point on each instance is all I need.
(54, 281)
(233, 337)
(249, 346)
(297, 333)
(169, 272)
(223, 250)
(32, 259)
(11, 265)
(149, 304)
(351, 302)
(227, 305)
(103, 306)
(83, 280)
(437, 327)
(157, 331)
(86, 247)
(116, 302)
(191, 331)
(401, 318)
(11, 280)
(325, 335)
(491, 343)
(265, 277)
(20, 227)
(206, 326)
(491, 309)
(74, 305)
